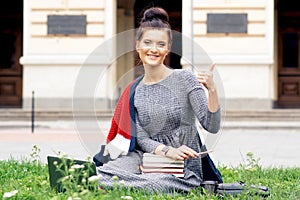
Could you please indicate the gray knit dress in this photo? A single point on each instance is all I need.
(165, 114)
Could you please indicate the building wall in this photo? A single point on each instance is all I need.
(244, 60)
(52, 63)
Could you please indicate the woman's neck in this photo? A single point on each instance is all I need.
(154, 74)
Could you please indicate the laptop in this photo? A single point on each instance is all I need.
(55, 168)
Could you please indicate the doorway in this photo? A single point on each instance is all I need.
(288, 54)
(11, 28)
(174, 9)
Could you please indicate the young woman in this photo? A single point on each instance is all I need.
(161, 107)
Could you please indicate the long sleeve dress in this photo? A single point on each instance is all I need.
(165, 114)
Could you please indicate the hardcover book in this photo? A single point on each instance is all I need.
(153, 163)
(153, 158)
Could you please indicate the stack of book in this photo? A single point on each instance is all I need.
(153, 163)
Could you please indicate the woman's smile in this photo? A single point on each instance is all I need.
(152, 56)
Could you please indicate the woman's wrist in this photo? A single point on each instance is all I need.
(161, 149)
(212, 90)
(165, 150)
(158, 149)
(213, 102)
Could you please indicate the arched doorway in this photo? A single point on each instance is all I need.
(11, 27)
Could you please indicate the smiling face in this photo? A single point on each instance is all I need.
(153, 47)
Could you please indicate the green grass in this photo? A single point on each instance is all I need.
(31, 180)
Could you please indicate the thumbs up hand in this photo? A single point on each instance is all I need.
(207, 79)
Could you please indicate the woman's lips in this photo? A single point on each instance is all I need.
(152, 56)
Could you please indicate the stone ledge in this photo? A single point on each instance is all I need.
(276, 115)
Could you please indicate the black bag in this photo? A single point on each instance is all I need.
(99, 159)
(223, 189)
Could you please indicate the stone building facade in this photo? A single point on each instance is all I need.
(254, 43)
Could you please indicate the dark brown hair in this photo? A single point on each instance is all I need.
(154, 18)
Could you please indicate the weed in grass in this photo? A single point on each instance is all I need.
(35, 154)
(76, 180)
(31, 180)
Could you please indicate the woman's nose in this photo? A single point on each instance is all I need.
(153, 47)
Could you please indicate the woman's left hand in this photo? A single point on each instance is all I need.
(181, 153)
(206, 78)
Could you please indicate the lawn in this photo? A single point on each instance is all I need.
(28, 179)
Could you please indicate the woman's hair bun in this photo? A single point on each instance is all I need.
(154, 17)
(155, 13)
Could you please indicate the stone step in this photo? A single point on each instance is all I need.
(43, 115)
(229, 115)
(263, 115)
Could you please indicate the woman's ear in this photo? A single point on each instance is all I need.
(137, 46)
(168, 50)
(170, 46)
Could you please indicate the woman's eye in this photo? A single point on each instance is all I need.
(147, 42)
(161, 44)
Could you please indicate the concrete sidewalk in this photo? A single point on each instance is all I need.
(274, 143)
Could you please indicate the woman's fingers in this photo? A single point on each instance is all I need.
(181, 153)
(206, 77)
(212, 67)
(188, 151)
(203, 77)
(179, 158)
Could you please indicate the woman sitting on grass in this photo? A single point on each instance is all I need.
(156, 114)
